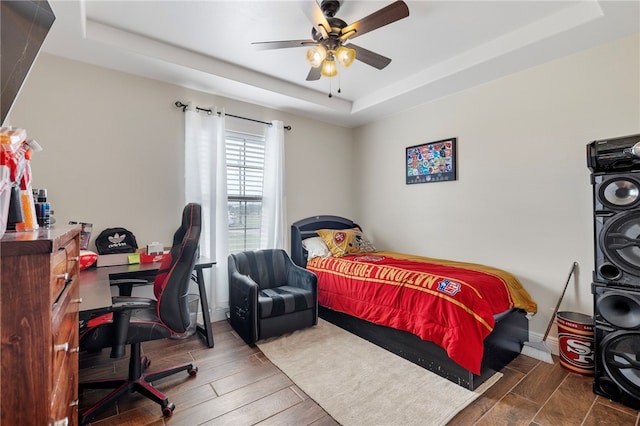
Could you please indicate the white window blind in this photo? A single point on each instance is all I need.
(245, 172)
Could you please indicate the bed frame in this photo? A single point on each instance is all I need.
(500, 347)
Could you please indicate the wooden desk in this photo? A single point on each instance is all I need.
(95, 288)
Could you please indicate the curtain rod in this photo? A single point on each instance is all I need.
(184, 106)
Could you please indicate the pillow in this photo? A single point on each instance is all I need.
(342, 242)
(87, 258)
(315, 247)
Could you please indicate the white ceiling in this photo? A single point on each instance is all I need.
(441, 48)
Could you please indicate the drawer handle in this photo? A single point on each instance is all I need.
(76, 349)
(74, 403)
(64, 347)
(64, 276)
(79, 300)
(75, 258)
(61, 422)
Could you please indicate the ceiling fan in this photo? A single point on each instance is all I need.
(331, 37)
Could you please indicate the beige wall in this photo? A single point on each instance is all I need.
(522, 200)
(113, 148)
(113, 151)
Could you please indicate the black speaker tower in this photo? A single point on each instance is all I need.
(615, 178)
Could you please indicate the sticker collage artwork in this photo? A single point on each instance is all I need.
(431, 162)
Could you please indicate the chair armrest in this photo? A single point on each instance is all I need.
(121, 319)
(122, 307)
(238, 280)
(243, 306)
(118, 303)
(243, 290)
(302, 278)
(121, 303)
(125, 285)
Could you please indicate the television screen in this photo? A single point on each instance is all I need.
(431, 162)
(24, 24)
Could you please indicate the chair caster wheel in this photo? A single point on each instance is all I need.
(167, 410)
(193, 371)
(146, 362)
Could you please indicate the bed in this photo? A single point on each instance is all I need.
(461, 321)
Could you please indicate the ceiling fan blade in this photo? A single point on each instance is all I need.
(370, 58)
(387, 15)
(314, 74)
(265, 45)
(313, 12)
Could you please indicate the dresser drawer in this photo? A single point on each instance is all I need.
(64, 329)
(64, 266)
(64, 399)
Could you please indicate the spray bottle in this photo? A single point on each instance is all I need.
(29, 222)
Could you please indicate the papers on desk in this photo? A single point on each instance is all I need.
(113, 259)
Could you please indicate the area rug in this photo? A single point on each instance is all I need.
(359, 383)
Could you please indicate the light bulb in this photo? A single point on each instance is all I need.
(316, 54)
(345, 56)
(329, 68)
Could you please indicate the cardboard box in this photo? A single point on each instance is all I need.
(155, 248)
(113, 259)
(150, 258)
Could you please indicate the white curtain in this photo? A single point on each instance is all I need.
(206, 183)
(273, 191)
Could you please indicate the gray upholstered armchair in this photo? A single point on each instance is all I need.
(269, 295)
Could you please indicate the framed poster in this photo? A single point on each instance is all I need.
(431, 162)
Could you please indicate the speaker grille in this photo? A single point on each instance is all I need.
(617, 343)
(620, 243)
(620, 309)
(620, 193)
(619, 356)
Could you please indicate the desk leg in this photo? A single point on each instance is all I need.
(205, 329)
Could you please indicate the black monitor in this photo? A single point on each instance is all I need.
(24, 25)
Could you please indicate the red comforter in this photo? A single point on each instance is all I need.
(449, 303)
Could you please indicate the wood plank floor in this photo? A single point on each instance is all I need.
(237, 385)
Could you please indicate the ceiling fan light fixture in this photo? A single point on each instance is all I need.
(329, 68)
(345, 56)
(316, 54)
(329, 33)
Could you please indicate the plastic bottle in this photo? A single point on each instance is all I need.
(44, 209)
(30, 222)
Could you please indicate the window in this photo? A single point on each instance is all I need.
(245, 171)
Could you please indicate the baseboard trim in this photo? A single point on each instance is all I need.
(552, 342)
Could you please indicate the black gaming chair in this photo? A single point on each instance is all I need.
(132, 320)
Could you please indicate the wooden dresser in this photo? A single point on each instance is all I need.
(39, 303)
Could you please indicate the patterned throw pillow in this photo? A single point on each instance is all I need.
(343, 242)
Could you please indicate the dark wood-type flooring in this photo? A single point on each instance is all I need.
(237, 385)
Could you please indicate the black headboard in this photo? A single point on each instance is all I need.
(307, 228)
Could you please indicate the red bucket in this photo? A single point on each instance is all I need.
(575, 338)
